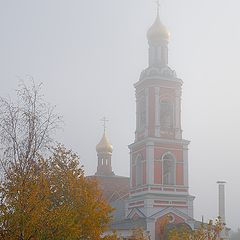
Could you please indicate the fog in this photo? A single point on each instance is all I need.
(89, 54)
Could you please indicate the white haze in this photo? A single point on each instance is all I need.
(88, 54)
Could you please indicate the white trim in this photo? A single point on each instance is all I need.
(135, 210)
(185, 167)
(150, 163)
(139, 169)
(182, 142)
(157, 112)
(174, 210)
(131, 163)
(147, 111)
(159, 79)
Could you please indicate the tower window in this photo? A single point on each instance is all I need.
(139, 171)
(168, 169)
(166, 114)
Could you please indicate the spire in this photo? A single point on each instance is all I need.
(104, 152)
(157, 32)
(104, 144)
(158, 7)
(104, 120)
(158, 37)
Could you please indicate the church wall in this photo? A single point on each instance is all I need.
(179, 174)
(174, 149)
(157, 172)
(144, 173)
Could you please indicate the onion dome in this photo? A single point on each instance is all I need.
(104, 145)
(157, 32)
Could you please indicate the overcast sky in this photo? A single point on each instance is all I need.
(89, 53)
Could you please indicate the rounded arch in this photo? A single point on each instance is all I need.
(179, 227)
(167, 155)
(169, 169)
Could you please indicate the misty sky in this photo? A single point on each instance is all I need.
(89, 53)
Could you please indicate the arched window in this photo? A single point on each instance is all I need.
(139, 170)
(168, 169)
(166, 114)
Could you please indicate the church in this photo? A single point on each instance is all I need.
(158, 187)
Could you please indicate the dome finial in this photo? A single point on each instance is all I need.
(104, 145)
(158, 7)
(157, 32)
(104, 120)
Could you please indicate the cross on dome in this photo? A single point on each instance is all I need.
(157, 32)
(104, 120)
(158, 5)
(104, 145)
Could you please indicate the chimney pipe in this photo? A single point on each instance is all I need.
(221, 200)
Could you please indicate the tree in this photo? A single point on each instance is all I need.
(25, 204)
(57, 202)
(86, 212)
(26, 126)
(210, 231)
(139, 234)
(43, 197)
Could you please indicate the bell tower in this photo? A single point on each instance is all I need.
(159, 155)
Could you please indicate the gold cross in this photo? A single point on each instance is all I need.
(158, 5)
(104, 120)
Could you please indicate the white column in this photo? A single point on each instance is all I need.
(147, 110)
(131, 167)
(150, 162)
(137, 114)
(190, 206)
(157, 111)
(151, 228)
(185, 165)
(178, 114)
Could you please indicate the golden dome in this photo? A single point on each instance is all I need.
(157, 31)
(104, 145)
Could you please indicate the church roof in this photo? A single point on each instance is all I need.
(113, 187)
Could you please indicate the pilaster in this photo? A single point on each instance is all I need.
(157, 112)
(150, 162)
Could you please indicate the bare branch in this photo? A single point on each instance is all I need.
(26, 127)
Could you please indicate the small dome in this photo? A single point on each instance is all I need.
(158, 31)
(104, 145)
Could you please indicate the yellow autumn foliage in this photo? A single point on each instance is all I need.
(52, 200)
(210, 231)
